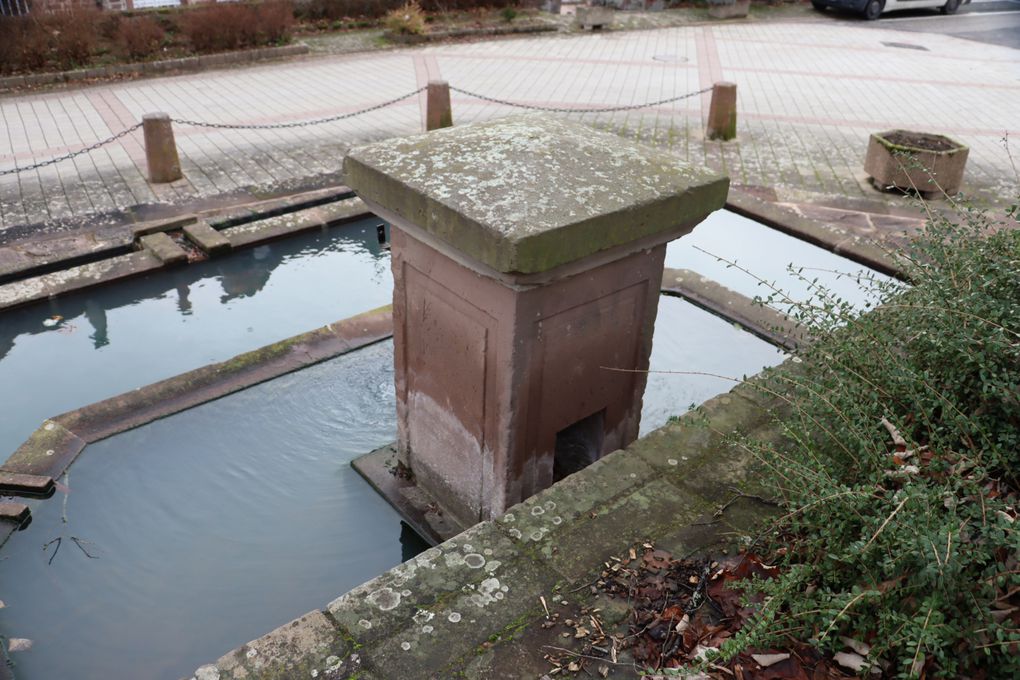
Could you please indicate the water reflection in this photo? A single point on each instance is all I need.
(76, 349)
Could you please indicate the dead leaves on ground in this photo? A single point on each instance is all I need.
(681, 610)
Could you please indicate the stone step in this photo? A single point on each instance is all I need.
(30, 485)
(16, 513)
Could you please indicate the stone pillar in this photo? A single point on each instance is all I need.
(438, 113)
(722, 113)
(160, 148)
(527, 257)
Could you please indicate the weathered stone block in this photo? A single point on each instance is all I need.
(729, 10)
(597, 17)
(160, 148)
(928, 163)
(164, 248)
(527, 261)
(722, 112)
(208, 239)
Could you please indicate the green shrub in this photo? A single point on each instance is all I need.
(902, 534)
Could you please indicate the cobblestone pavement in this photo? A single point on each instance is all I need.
(809, 94)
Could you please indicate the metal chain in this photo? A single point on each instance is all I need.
(79, 152)
(305, 123)
(560, 109)
(331, 119)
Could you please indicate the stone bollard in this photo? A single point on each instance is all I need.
(438, 113)
(527, 257)
(722, 113)
(160, 148)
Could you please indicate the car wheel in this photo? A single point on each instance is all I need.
(873, 9)
(950, 7)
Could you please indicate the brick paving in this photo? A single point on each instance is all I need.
(809, 94)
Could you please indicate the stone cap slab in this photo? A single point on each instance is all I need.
(528, 193)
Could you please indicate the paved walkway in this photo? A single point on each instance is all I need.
(809, 94)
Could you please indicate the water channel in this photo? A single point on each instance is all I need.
(214, 526)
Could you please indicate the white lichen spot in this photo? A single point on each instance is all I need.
(549, 505)
(557, 520)
(537, 534)
(492, 565)
(406, 646)
(422, 616)
(474, 560)
(49, 452)
(487, 551)
(515, 533)
(365, 623)
(427, 629)
(468, 548)
(509, 517)
(454, 617)
(672, 461)
(385, 599)
(499, 596)
(251, 653)
(405, 593)
(332, 660)
(207, 672)
(537, 510)
(504, 588)
(49, 426)
(315, 673)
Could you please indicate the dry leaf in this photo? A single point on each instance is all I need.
(861, 648)
(854, 662)
(766, 660)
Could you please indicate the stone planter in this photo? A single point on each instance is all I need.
(594, 17)
(928, 163)
(729, 10)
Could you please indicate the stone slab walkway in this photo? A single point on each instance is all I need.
(809, 94)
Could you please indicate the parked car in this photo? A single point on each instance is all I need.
(872, 9)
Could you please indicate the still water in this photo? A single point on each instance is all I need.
(755, 254)
(77, 349)
(218, 524)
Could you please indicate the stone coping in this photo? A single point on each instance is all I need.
(534, 192)
(476, 605)
(453, 33)
(159, 251)
(145, 68)
(831, 238)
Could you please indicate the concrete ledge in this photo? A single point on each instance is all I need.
(197, 63)
(767, 323)
(292, 223)
(84, 276)
(55, 445)
(435, 36)
(835, 240)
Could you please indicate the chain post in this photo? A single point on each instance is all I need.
(160, 148)
(438, 113)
